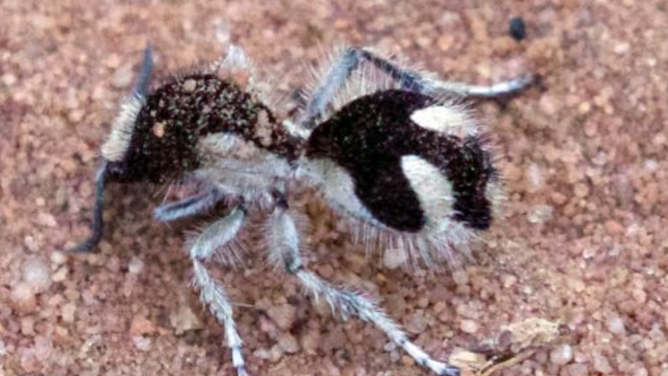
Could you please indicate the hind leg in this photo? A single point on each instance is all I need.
(284, 252)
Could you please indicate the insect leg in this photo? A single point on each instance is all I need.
(284, 251)
(211, 292)
(412, 80)
(187, 207)
(328, 86)
(351, 59)
(497, 90)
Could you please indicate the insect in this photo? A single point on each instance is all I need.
(388, 147)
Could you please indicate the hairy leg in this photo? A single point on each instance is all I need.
(335, 78)
(328, 86)
(284, 251)
(211, 292)
(187, 207)
(414, 81)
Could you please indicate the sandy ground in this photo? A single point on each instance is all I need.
(582, 243)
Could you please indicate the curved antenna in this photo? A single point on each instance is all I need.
(97, 227)
(141, 86)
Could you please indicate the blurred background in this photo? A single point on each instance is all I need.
(582, 244)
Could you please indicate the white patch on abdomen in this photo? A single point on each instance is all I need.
(337, 186)
(451, 120)
(433, 189)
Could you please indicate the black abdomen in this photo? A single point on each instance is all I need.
(368, 138)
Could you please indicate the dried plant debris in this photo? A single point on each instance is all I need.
(514, 344)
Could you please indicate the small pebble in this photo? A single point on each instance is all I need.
(540, 213)
(276, 353)
(600, 363)
(577, 369)
(581, 190)
(517, 28)
(616, 325)
(460, 277)
(266, 325)
(46, 219)
(310, 341)
(142, 343)
(639, 295)
(416, 323)
(534, 178)
(23, 297)
(28, 326)
(509, 281)
(283, 315)
(288, 343)
(67, 312)
(58, 258)
(468, 326)
(261, 354)
(43, 348)
(122, 78)
(36, 273)
(622, 48)
(60, 275)
(184, 319)
(8, 79)
(136, 265)
(561, 355)
(614, 228)
(396, 304)
(334, 340)
(141, 325)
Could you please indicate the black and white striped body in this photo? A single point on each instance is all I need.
(392, 153)
(400, 159)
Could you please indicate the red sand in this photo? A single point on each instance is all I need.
(583, 241)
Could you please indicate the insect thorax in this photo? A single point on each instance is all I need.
(195, 122)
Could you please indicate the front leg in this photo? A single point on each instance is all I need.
(212, 293)
(188, 207)
(284, 252)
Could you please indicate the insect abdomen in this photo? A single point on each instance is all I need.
(407, 173)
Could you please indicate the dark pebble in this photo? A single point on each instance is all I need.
(517, 29)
